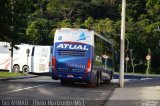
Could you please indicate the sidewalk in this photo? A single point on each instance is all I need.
(138, 93)
(19, 77)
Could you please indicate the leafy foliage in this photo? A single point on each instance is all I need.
(35, 21)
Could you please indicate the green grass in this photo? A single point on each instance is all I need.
(8, 74)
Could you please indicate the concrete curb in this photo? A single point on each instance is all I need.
(19, 77)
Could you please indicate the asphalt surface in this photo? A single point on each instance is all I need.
(39, 90)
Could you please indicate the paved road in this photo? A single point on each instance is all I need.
(40, 90)
(44, 88)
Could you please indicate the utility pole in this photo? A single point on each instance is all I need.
(123, 15)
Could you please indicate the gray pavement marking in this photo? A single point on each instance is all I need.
(17, 90)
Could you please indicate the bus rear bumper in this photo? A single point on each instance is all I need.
(75, 78)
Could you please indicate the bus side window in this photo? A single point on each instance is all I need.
(98, 60)
(4, 50)
(110, 62)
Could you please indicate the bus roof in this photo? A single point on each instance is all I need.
(83, 35)
(74, 35)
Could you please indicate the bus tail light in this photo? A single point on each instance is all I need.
(88, 68)
(53, 62)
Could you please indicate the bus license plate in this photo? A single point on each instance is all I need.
(70, 76)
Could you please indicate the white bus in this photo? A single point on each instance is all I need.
(4, 56)
(37, 61)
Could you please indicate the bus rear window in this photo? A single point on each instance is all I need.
(40, 51)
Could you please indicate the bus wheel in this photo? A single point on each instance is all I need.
(111, 77)
(98, 79)
(25, 70)
(16, 68)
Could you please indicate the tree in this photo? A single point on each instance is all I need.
(89, 23)
(63, 9)
(38, 31)
(5, 20)
(153, 9)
